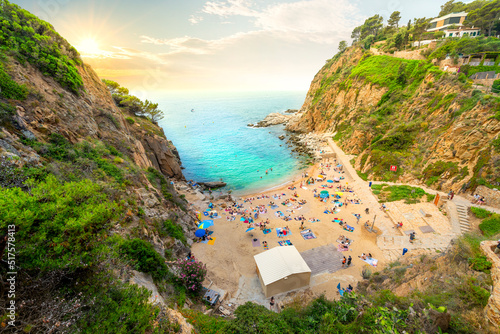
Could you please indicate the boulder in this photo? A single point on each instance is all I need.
(273, 119)
(213, 185)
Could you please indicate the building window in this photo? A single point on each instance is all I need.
(451, 34)
(433, 25)
(474, 33)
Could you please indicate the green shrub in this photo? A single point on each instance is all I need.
(490, 226)
(10, 89)
(145, 258)
(480, 212)
(60, 224)
(130, 120)
(480, 263)
(118, 308)
(174, 230)
(35, 41)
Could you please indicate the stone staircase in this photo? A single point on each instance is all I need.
(463, 218)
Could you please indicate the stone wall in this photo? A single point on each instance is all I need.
(491, 196)
(492, 310)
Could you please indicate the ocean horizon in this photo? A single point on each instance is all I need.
(211, 133)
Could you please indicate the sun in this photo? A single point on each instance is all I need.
(89, 46)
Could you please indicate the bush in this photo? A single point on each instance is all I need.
(145, 258)
(490, 226)
(119, 308)
(480, 212)
(35, 41)
(130, 120)
(175, 230)
(59, 224)
(10, 89)
(480, 263)
(191, 274)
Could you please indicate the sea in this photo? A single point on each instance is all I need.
(211, 133)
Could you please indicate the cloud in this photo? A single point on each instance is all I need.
(229, 8)
(194, 45)
(320, 21)
(195, 19)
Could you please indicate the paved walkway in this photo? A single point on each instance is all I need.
(390, 242)
(324, 259)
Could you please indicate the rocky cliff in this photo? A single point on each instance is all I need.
(388, 111)
(93, 114)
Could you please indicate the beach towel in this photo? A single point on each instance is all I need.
(205, 213)
(256, 242)
(341, 291)
(337, 220)
(274, 206)
(341, 249)
(307, 234)
(348, 228)
(372, 261)
(267, 230)
(211, 242)
(285, 243)
(281, 229)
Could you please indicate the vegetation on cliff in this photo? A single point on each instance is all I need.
(32, 40)
(415, 105)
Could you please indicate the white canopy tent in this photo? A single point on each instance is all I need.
(282, 269)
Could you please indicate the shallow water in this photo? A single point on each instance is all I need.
(214, 141)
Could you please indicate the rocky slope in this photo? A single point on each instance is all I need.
(391, 111)
(92, 115)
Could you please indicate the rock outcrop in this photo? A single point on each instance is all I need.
(492, 310)
(437, 130)
(91, 115)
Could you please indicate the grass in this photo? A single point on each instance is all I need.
(410, 194)
(480, 212)
(490, 226)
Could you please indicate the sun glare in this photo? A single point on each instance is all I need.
(89, 46)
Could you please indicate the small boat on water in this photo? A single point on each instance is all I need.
(192, 110)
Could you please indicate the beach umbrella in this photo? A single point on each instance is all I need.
(206, 223)
(329, 181)
(324, 192)
(324, 195)
(199, 233)
(250, 229)
(242, 219)
(339, 193)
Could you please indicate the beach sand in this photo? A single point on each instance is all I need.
(230, 264)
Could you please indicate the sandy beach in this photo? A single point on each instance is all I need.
(229, 257)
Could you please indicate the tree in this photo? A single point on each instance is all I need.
(342, 46)
(485, 17)
(451, 7)
(398, 40)
(419, 27)
(394, 19)
(151, 111)
(356, 34)
(371, 26)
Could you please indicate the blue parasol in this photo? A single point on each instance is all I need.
(206, 223)
(329, 181)
(199, 233)
(250, 229)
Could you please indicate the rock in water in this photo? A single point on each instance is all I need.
(213, 185)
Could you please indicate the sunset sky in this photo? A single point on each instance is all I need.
(159, 45)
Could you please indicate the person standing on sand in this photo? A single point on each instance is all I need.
(271, 303)
(343, 262)
(349, 260)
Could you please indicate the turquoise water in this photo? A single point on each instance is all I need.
(215, 143)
